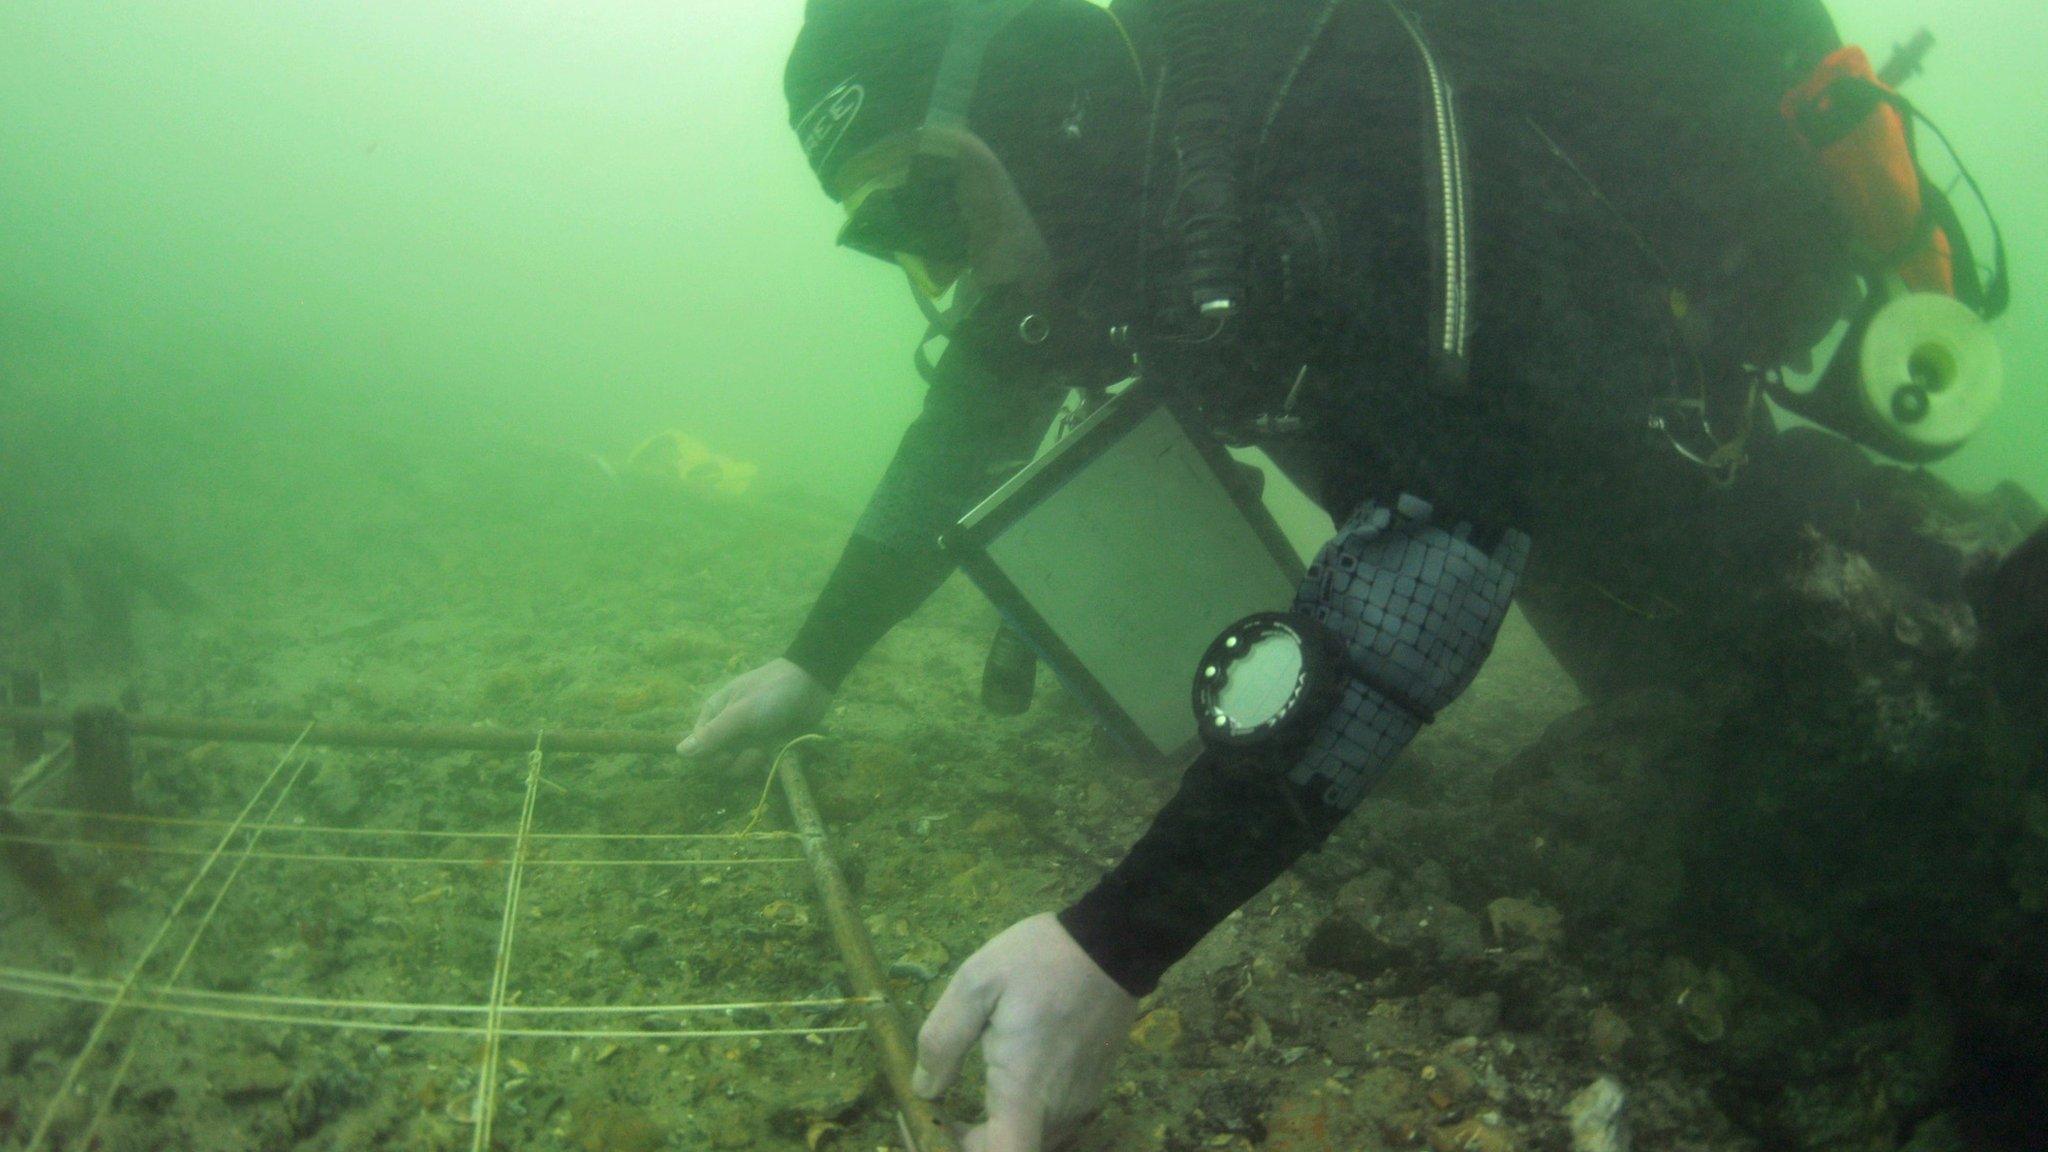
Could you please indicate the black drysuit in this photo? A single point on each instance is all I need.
(1642, 227)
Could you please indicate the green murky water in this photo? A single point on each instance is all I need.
(355, 314)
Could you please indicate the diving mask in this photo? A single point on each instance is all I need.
(910, 215)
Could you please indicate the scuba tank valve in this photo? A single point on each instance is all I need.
(1918, 372)
(1906, 60)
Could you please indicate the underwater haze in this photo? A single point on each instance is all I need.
(456, 375)
(573, 223)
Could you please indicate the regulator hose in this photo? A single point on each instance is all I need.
(1205, 195)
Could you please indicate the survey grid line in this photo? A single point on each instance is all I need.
(29, 982)
(344, 1024)
(501, 1017)
(379, 858)
(486, 1108)
(331, 830)
(220, 894)
(99, 1028)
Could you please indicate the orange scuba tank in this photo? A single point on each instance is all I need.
(1844, 116)
(1917, 372)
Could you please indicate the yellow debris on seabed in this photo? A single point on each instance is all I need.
(678, 459)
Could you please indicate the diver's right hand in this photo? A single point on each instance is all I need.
(776, 701)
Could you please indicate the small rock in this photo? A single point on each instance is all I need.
(1345, 945)
(1389, 1025)
(1472, 1015)
(1598, 1117)
(1607, 1032)
(1304, 1124)
(923, 960)
(251, 1078)
(1158, 1031)
(336, 795)
(638, 938)
(786, 914)
(1704, 1012)
(1430, 880)
(1454, 933)
(1448, 1080)
(1383, 1092)
(1285, 1009)
(1516, 922)
(1473, 1135)
(801, 1106)
(1365, 897)
(1699, 998)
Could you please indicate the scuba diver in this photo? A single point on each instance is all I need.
(1500, 287)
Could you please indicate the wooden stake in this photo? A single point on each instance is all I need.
(886, 1023)
(25, 690)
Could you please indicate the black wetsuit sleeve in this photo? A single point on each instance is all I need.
(871, 589)
(975, 430)
(1230, 830)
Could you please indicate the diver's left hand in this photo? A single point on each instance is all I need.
(1051, 1025)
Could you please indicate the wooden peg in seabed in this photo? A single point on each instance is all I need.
(25, 690)
(65, 899)
(102, 767)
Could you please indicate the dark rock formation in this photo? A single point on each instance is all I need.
(1815, 753)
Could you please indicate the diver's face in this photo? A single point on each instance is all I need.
(939, 203)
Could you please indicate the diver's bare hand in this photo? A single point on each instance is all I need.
(774, 702)
(1051, 1025)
